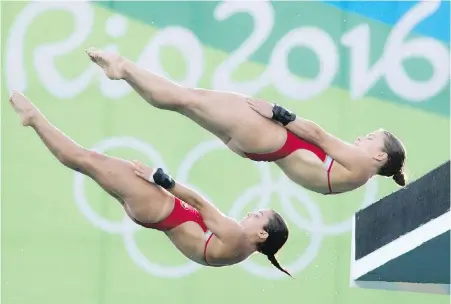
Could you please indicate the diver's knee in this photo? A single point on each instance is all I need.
(188, 99)
(70, 157)
(179, 98)
(91, 158)
(86, 161)
(191, 100)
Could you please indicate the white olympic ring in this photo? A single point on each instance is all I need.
(283, 187)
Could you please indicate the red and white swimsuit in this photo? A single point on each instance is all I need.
(181, 214)
(292, 144)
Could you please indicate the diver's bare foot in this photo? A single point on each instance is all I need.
(112, 64)
(26, 110)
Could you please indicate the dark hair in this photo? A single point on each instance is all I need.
(277, 236)
(396, 155)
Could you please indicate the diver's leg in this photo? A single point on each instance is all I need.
(224, 114)
(146, 202)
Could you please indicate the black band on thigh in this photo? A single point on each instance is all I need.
(282, 115)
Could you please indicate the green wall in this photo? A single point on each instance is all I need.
(64, 240)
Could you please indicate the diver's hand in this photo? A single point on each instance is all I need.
(154, 176)
(144, 171)
(262, 107)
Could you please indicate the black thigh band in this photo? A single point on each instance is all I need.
(162, 179)
(282, 115)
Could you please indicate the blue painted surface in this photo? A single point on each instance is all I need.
(389, 12)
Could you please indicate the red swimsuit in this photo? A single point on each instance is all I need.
(292, 144)
(181, 214)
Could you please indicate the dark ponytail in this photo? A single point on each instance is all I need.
(277, 236)
(396, 156)
(276, 264)
(400, 178)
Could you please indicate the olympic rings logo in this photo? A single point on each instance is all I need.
(285, 189)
